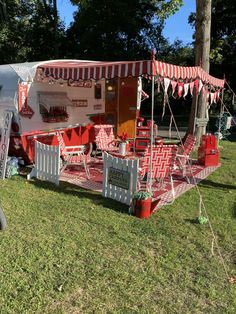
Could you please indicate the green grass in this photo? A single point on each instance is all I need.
(67, 250)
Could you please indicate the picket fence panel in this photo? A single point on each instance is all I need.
(124, 168)
(47, 163)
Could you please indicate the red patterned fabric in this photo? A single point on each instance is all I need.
(104, 137)
(163, 157)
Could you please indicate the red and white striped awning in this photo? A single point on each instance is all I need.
(85, 70)
(180, 72)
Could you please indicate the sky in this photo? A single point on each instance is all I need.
(176, 27)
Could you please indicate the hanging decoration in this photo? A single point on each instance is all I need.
(196, 85)
(186, 88)
(212, 97)
(173, 85)
(166, 84)
(200, 86)
(180, 89)
(191, 87)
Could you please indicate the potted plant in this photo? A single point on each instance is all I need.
(124, 143)
(143, 201)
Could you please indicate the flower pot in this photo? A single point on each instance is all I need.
(143, 208)
(122, 149)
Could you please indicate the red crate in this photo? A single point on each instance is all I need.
(143, 131)
(208, 159)
(208, 141)
(141, 143)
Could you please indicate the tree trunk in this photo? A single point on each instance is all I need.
(202, 51)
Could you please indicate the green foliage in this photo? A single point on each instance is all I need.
(202, 220)
(142, 195)
(105, 30)
(223, 39)
(114, 30)
(29, 31)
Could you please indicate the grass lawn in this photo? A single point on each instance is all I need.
(67, 250)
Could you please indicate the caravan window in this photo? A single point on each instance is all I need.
(53, 106)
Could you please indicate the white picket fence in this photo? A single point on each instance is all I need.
(119, 178)
(47, 163)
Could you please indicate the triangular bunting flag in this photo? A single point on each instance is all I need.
(217, 95)
(180, 89)
(200, 86)
(186, 88)
(173, 85)
(191, 86)
(196, 84)
(166, 84)
(212, 96)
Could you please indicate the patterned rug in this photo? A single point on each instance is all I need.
(195, 174)
(162, 193)
(75, 174)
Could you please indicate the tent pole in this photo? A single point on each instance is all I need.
(118, 105)
(152, 125)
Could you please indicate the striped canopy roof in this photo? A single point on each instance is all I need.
(85, 70)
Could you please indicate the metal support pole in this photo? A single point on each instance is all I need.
(152, 125)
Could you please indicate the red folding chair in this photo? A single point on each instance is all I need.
(163, 158)
(72, 155)
(183, 154)
(104, 138)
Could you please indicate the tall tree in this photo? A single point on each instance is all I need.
(125, 29)
(223, 44)
(30, 30)
(223, 36)
(202, 53)
(223, 40)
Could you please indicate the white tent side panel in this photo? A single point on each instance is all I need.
(8, 86)
(8, 90)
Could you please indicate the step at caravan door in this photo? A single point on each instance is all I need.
(4, 142)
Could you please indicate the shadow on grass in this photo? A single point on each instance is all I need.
(74, 190)
(217, 185)
(192, 221)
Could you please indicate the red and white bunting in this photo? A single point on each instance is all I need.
(217, 97)
(180, 89)
(196, 84)
(173, 85)
(186, 88)
(212, 97)
(166, 84)
(200, 86)
(191, 86)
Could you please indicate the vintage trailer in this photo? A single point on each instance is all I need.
(51, 95)
(72, 95)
